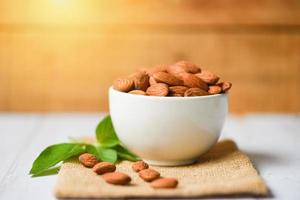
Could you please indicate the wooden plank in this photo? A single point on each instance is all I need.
(71, 71)
(228, 12)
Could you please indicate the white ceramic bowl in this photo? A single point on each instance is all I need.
(167, 131)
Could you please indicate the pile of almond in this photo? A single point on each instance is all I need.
(182, 79)
(107, 170)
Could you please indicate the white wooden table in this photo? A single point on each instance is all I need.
(271, 141)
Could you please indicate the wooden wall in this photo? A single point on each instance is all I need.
(64, 56)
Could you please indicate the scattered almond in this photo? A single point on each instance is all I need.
(192, 81)
(164, 183)
(159, 89)
(104, 167)
(139, 165)
(195, 92)
(177, 90)
(88, 160)
(116, 178)
(138, 92)
(225, 86)
(208, 77)
(149, 174)
(123, 84)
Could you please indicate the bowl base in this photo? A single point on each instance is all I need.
(170, 163)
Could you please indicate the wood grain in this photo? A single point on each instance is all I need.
(50, 64)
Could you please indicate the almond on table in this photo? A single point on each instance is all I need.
(149, 174)
(139, 165)
(116, 178)
(104, 167)
(88, 160)
(164, 183)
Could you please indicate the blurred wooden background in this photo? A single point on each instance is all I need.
(62, 55)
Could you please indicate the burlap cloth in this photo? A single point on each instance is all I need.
(224, 170)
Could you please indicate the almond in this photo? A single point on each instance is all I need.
(149, 174)
(175, 69)
(195, 92)
(141, 80)
(225, 86)
(157, 68)
(88, 160)
(152, 81)
(189, 67)
(163, 77)
(164, 183)
(214, 89)
(104, 167)
(116, 178)
(139, 165)
(123, 84)
(177, 90)
(137, 92)
(159, 89)
(208, 77)
(192, 81)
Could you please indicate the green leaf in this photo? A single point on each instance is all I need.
(48, 172)
(102, 153)
(106, 134)
(55, 154)
(125, 154)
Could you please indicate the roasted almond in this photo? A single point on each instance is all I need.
(225, 86)
(177, 90)
(149, 174)
(116, 178)
(88, 160)
(159, 89)
(192, 81)
(214, 89)
(189, 67)
(104, 167)
(208, 77)
(141, 80)
(123, 84)
(163, 77)
(164, 183)
(195, 92)
(139, 165)
(137, 92)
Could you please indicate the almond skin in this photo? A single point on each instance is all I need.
(189, 67)
(116, 178)
(163, 77)
(149, 174)
(88, 160)
(137, 92)
(225, 86)
(208, 77)
(157, 68)
(192, 81)
(104, 167)
(139, 165)
(159, 89)
(123, 84)
(141, 80)
(195, 92)
(152, 81)
(214, 89)
(177, 91)
(165, 183)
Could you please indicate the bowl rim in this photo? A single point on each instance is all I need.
(111, 89)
